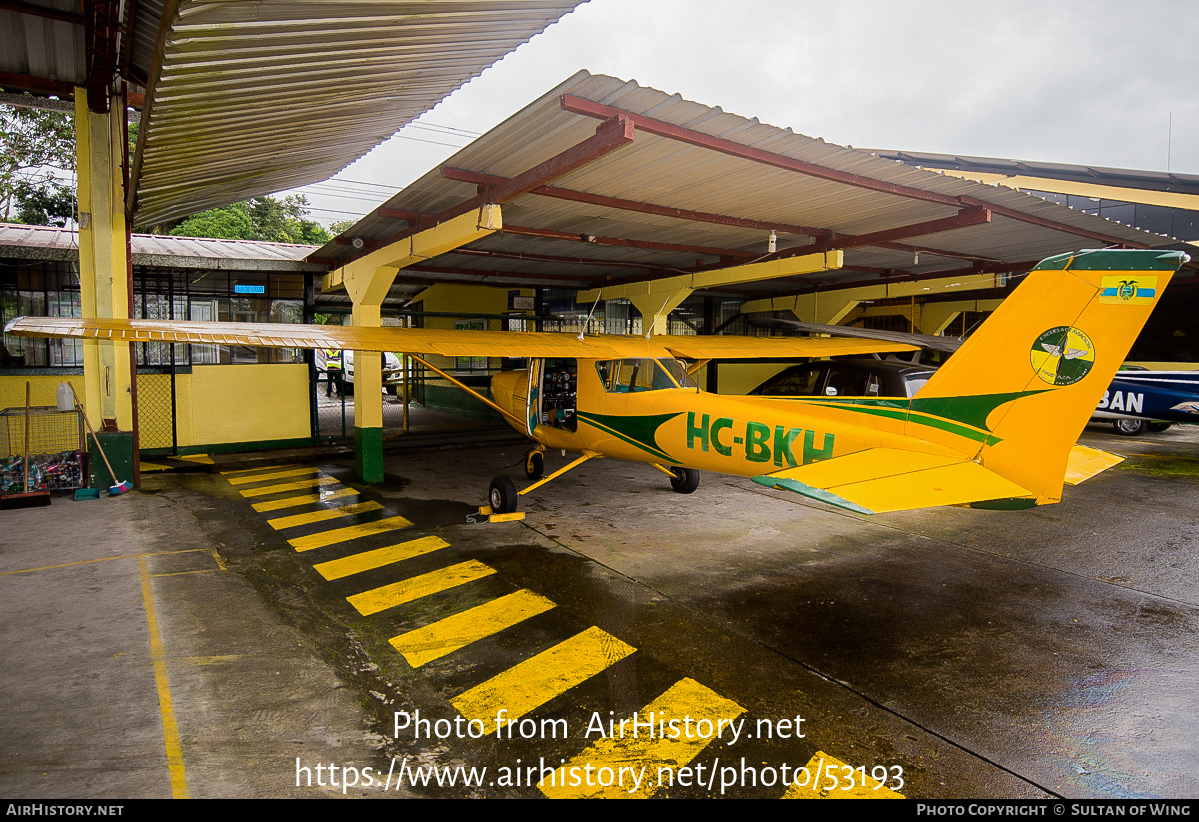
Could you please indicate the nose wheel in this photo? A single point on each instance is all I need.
(534, 465)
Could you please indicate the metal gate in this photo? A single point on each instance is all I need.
(157, 364)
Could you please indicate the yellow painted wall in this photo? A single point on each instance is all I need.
(215, 404)
(244, 403)
(465, 300)
(42, 389)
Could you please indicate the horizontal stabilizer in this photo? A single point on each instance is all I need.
(1087, 462)
(889, 479)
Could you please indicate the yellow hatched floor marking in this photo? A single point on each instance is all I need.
(295, 472)
(653, 749)
(259, 468)
(819, 767)
(397, 593)
(534, 682)
(320, 516)
(452, 633)
(288, 486)
(369, 560)
(303, 499)
(202, 458)
(364, 529)
(153, 466)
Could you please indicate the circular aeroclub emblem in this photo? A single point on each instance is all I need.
(1063, 355)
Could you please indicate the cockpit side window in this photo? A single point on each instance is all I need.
(636, 375)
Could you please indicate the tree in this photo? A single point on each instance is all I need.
(37, 157)
(262, 218)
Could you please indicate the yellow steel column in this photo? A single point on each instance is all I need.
(368, 394)
(367, 281)
(655, 308)
(104, 279)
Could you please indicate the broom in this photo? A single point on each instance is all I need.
(124, 485)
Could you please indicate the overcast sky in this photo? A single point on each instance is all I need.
(1090, 82)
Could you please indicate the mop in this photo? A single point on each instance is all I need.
(124, 485)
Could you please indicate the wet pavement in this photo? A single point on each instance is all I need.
(964, 653)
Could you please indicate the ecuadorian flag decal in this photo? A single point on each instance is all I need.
(1128, 289)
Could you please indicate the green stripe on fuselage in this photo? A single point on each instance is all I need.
(964, 416)
(640, 431)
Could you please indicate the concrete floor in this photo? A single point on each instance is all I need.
(986, 654)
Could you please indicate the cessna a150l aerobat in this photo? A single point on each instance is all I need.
(994, 427)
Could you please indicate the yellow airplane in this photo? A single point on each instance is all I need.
(994, 427)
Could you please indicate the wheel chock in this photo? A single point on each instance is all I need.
(513, 517)
(485, 510)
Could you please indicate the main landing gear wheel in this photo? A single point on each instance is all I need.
(534, 465)
(1129, 427)
(502, 496)
(685, 480)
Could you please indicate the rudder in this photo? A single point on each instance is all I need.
(1030, 377)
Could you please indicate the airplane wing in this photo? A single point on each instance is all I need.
(876, 480)
(452, 343)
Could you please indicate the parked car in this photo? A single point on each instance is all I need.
(847, 378)
(1140, 400)
(392, 369)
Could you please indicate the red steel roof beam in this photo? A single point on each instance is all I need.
(610, 135)
(579, 105)
(513, 275)
(632, 205)
(1056, 226)
(643, 244)
(551, 258)
(963, 219)
(477, 178)
(615, 132)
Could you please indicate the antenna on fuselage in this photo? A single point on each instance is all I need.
(598, 297)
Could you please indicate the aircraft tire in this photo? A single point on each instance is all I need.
(1129, 427)
(534, 465)
(1158, 427)
(502, 496)
(685, 480)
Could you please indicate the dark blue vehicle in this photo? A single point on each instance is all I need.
(1140, 400)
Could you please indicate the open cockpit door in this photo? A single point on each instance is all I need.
(532, 395)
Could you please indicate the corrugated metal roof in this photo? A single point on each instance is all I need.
(43, 243)
(1098, 175)
(670, 173)
(256, 97)
(42, 47)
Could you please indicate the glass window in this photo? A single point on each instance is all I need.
(470, 365)
(635, 375)
(800, 381)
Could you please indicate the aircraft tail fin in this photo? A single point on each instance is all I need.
(1025, 384)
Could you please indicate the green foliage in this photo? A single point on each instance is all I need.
(52, 204)
(37, 156)
(262, 218)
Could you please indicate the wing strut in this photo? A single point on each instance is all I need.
(519, 422)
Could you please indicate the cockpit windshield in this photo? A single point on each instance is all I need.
(643, 374)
